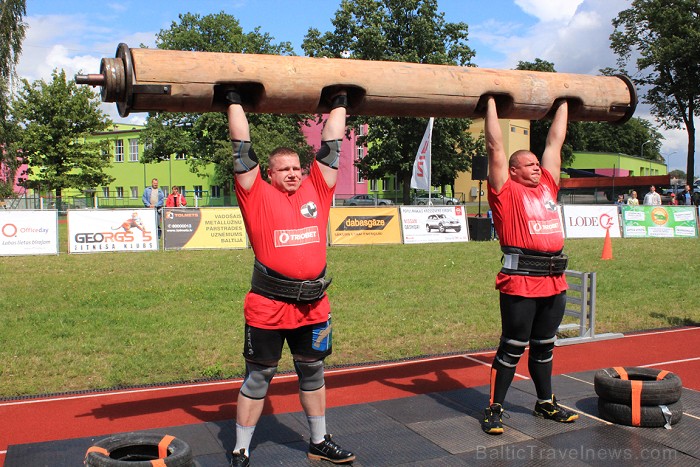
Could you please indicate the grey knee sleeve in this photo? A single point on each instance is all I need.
(541, 350)
(329, 154)
(310, 375)
(244, 158)
(257, 380)
(510, 351)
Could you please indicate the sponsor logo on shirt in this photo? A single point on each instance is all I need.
(309, 210)
(544, 227)
(297, 237)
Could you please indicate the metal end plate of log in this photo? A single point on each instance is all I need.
(143, 80)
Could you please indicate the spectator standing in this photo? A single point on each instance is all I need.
(153, 197)
(632, 200)
(175, 199)
(686, 197)
(673, 201)
(652, 198)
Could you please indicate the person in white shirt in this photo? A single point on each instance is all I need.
(652, 198)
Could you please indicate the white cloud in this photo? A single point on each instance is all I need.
(549, 10)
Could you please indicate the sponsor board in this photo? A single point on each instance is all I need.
(361, 226)
(210, 228)
(434, 224)
(112, 230)
(31, 232)
(659, 221)
(584, 221)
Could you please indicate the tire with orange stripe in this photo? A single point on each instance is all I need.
(644, 416)
(647, 385)
(139, 450)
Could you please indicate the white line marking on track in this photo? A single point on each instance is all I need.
(671, 362)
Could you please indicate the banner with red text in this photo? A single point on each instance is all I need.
(112, 230)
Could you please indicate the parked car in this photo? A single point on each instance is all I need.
(442, 223)
(367, 200)
(435, 199)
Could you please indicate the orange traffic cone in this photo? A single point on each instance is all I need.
(607, 246)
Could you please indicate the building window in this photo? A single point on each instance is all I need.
(180, 157)
(527, 132)
(360, 152)
(119, 150)
(385, 184)
(373, 185)
(120, 192)
(198, 191)
(215, 191)
(105, 192)
(133, 150)
(134, 192)
(361, 130)
(512, 129)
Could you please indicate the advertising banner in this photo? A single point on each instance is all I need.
(434, 224)
(363, 226)
(109, 230)
(28, 232)
(659, 221)
(210, 228)
(583, 221)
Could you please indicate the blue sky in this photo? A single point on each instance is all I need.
(572, 34)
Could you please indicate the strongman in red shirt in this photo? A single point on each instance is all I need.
(286, 222)
(532, 284)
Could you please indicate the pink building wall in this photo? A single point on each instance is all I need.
(347, 184)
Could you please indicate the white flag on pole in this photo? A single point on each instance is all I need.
(421, 167)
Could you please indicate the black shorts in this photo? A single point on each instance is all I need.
(314, 341)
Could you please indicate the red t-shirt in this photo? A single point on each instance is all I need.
(528, 217)
(288, 233)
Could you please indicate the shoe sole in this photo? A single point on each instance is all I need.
(316, 457)
(493, 431)
(568, 420)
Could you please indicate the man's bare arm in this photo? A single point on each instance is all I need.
(498, 162)
(551, 158)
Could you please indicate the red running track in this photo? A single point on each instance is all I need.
(105, 413)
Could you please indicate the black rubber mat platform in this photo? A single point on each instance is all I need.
(436, 429)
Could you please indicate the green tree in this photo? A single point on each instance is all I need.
(56, 119)
(11, 36)
(407, 31)
(627, 138)
(663, 36)
(203, 138)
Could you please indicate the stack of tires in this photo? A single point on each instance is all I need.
(643, 397)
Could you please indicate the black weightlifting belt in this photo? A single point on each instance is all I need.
(275, 286)
(523, 262)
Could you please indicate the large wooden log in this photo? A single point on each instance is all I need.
(141, 80)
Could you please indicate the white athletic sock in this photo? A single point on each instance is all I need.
(317, 425)
(244, 435)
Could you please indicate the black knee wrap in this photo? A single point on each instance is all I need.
(510, 351)
(541, 349)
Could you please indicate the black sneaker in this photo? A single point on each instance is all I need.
(492, 423)
(328, 450)
(239, 459)
(553, 411)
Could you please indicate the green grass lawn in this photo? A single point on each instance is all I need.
(73, 322)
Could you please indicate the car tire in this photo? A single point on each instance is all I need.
(610, 386)
(428, 228)
(138, 449)
(458, 229)
(649, 416)
(449, 203)
(441, 228)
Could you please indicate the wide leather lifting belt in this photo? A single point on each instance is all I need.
(522, 262)
(273, 285)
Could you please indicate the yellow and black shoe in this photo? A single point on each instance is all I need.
(553, 411)
(492, 423)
